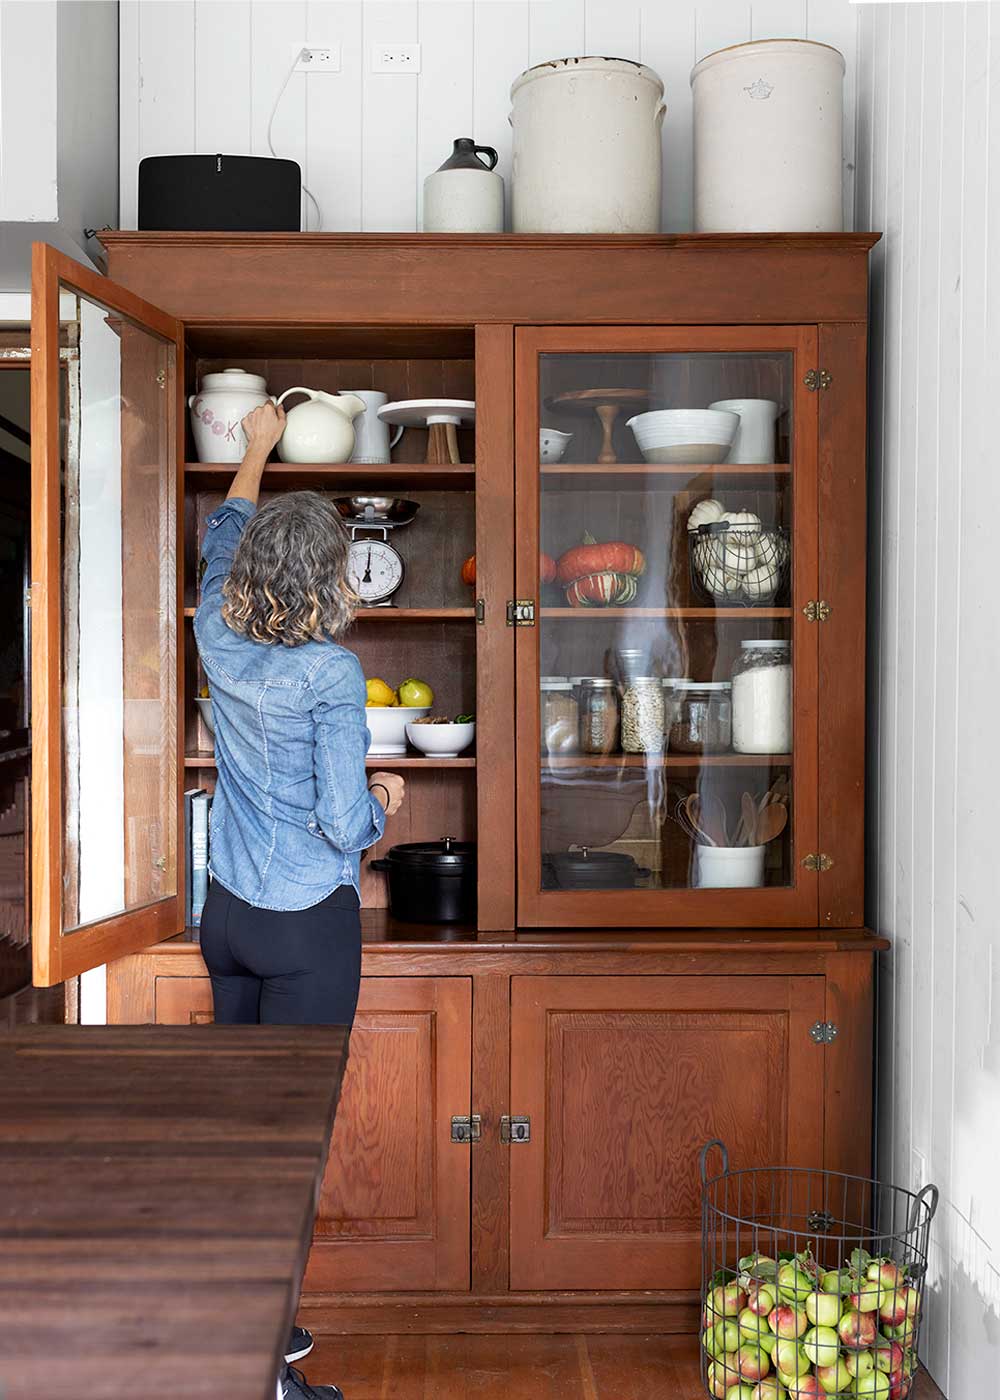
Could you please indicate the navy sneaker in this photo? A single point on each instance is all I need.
(300, 1343)
(294, 1386)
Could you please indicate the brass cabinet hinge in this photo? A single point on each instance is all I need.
(516, 1129)
(819, 861)
(520, 612)
(480, 610)
(467, 1129)
(161, 378)
(817, 379)
(817, 610)
(823, 1032)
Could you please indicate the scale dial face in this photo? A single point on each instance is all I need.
(374, 570)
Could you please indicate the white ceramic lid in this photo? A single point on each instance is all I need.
(757, 644)
(704, 685)
(235, 379)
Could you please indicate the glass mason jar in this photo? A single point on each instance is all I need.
(704, 717)
(642, 715)
(671, 703)
(762, 697)
(560, 717)
(598, 709)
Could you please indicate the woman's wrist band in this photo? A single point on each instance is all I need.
(388, 799)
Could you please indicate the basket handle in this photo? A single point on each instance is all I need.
(703, 1159)
(918, 1200)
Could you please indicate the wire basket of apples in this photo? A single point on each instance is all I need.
(812, 1283)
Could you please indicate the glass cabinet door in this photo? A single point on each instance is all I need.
(667, 554)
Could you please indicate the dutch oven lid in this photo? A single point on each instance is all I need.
(587, 862)
(446, 855)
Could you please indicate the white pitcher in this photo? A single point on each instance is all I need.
(321, 430)
(372, 442)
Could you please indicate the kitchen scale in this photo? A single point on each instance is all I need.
(375, 568)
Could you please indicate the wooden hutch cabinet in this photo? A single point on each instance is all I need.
(517, 1144)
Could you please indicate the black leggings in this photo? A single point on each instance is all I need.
(297, 967)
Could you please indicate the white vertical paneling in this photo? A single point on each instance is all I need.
(275, 27)
(129, 70)
(222, 71)
(333, 169)
(611, 28)
(557, 30)
(718, 26)
(778, 19)
(389, 123)
(502, 52)
(444, 91)
(166, 76)
(668, 47)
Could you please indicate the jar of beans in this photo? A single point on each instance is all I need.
(642, 715)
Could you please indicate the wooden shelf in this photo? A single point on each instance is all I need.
(404, 614)
(632, 473)
(410, 760)
(693, 614)
(673, 760)
(414, 476)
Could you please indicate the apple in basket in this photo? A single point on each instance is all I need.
(835, 1379)
(727, 1300)
(761, 1298)
(857, 1330)
(786, 1321)
(823, 1309)
(752, 1362)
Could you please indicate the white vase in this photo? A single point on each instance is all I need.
(768, 138)
(217, 410)
(587, 148)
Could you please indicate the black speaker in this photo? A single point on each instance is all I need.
(227, 194)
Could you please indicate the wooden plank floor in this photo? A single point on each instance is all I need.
(521, 1367)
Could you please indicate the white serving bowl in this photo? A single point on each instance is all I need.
(387, 726)
(441, 740)
(205, 709)
(685, 435)
(552, 444)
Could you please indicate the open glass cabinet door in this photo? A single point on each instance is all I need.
(105, 605)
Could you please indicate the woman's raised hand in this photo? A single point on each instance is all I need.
(263, 427)
(389, 789)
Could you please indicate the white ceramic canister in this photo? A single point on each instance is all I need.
(217, 409)
(768, 138)
(728, 867)
(754, 440)
(464, 195)
(587, 147)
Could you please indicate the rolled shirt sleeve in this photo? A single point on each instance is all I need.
(222, 534)
(346, 812)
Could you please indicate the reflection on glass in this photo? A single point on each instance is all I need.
(664, 644)
(119, 619)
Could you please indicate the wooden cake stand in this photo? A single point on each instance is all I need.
(606, 403)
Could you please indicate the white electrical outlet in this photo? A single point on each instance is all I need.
(395, 58)
(317, 60)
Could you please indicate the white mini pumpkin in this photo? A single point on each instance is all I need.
(761, 583)
(744, 520)
(739, 551)
(705, 512)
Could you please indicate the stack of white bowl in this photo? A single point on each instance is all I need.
(685, 436)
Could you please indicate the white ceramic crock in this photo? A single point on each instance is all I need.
(217, 409)
(768, 138)
(754, 440)
(728, 867)
(587, 149)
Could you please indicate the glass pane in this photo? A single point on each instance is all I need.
(666, 620)
(119, 618)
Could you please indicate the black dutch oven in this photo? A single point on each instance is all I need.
(431, 882)
(591, 870)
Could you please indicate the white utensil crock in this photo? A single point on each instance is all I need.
(587, 149)
(372, 442)
(768, 138)
(754, 440)
(728, 867)
(217, 409)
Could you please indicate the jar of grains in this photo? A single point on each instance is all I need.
(559, 716)
(704, 717)
(671, 703)
(642, 715)
(762, 697)
(598, 708)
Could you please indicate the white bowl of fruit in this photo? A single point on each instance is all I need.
(388, 712)
(437, 736)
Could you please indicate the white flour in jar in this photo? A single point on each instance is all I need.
(762, 709)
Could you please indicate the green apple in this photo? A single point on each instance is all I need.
(835, 1379)
(859, 1363)
(740, 1392)
(794, 1282)
(792, 1360)
(823, 1309)
(822, 1346)
(875, 1383)
(769, 1389)
(836, 1281)
(752, 1362)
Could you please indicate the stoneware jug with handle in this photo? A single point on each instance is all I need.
(321, 430)
(372, 442)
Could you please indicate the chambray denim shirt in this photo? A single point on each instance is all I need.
(292, 810)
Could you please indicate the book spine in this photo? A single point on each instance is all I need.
(199, 857)
(188, 805)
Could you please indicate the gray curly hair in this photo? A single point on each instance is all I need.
(288, 581)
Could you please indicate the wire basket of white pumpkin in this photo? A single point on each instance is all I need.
(736, 559)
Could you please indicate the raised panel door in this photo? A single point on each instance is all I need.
(625, 1079)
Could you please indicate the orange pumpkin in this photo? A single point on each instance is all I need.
(469, 571)
(616, 557)
(602, 590)
(546, 568)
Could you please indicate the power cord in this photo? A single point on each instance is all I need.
(270, 145)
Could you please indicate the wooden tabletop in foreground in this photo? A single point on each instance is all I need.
(157, 1192)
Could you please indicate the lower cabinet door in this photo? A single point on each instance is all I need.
(624, 1080)
(394, 1204)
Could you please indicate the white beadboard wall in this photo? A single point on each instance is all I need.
(202, 76)
(929, 176)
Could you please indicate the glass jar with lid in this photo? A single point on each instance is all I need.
(762, 697)
(671, 703)
(598, 711)
(559, 715)
(704, 717)
(642, 715)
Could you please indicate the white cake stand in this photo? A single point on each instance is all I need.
(441, 418)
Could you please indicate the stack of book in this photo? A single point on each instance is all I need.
(197, 805)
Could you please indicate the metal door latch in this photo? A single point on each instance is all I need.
(817, 861)
(520, 612)
(817, 379)
(480, 611)
(516, 1129)
(467, 1129)
(823, 1032)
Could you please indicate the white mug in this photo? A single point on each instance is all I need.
(754, 440)
(372, 442)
